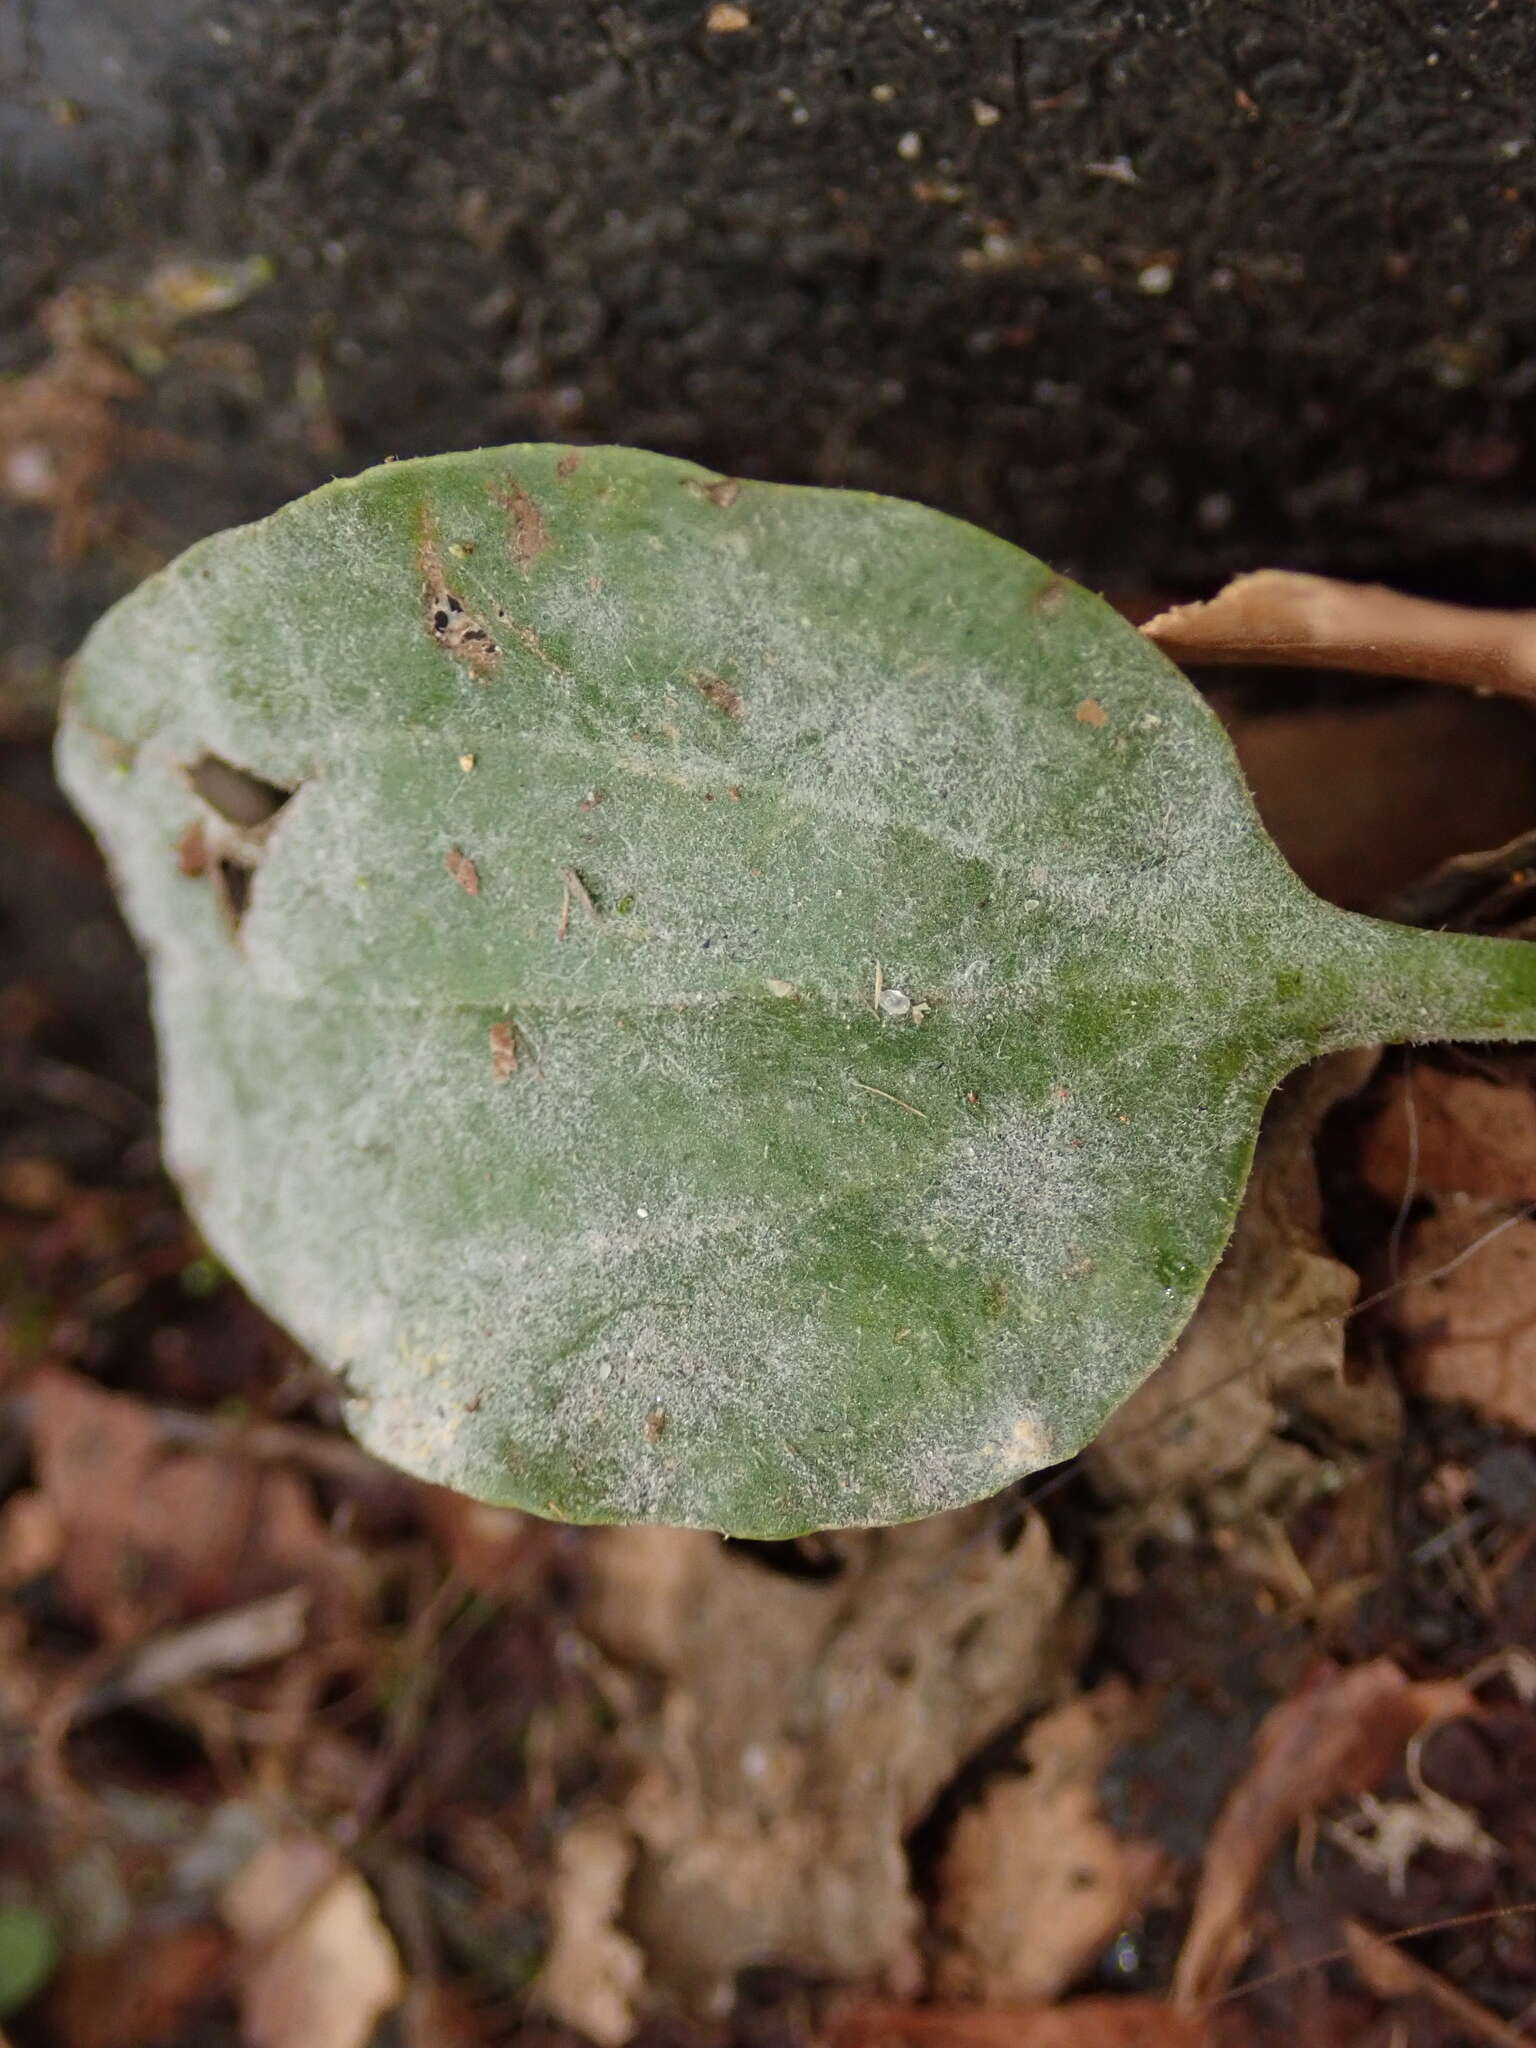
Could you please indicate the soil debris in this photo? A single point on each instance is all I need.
(463, 870)
(503, 1040)
(725, 490)
(716, 691)
(575, 891)
(192, 854)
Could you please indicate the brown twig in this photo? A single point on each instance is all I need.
(1278, 618)
(1385, 1969)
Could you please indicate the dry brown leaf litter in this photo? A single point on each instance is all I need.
(319, 1967)
(1212, 1438)
(805, 1726)
(1464, 1307)
(1338, 1737)
(1034, 1883)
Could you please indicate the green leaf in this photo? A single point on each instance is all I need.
(707, 1002)
(29, 1952)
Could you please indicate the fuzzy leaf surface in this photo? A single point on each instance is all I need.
(708, 1002)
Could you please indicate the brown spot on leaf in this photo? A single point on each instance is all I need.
(1091, 712)
(722, 493)
(463, 871)
(715, 690)
(451, 623)
(527, 535)
(1050, 597)
(568, 465)
(503, 1051)
(192, 849)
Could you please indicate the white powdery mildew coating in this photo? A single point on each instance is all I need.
(725, 1247)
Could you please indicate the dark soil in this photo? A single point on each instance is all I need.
(1157, 290)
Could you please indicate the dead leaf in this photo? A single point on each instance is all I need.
(498, 1551)
(258, 1633)
(153, 1536)
(141, 1994)
(61, 434)
(1365, 794)
(438, 2016)
(1034, 1882)
(319, 1969)
(31, 1538)
(775, 1783)
(1391, 1973)
(1466, 1307)
(1214, 1430)
(1278, 618)
(593, 1975)
(1439, 1132)
(1080, 2023)
(1338, 1737)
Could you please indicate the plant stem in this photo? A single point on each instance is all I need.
(1397, 985)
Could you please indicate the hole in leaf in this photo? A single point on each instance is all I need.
(238, 796)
